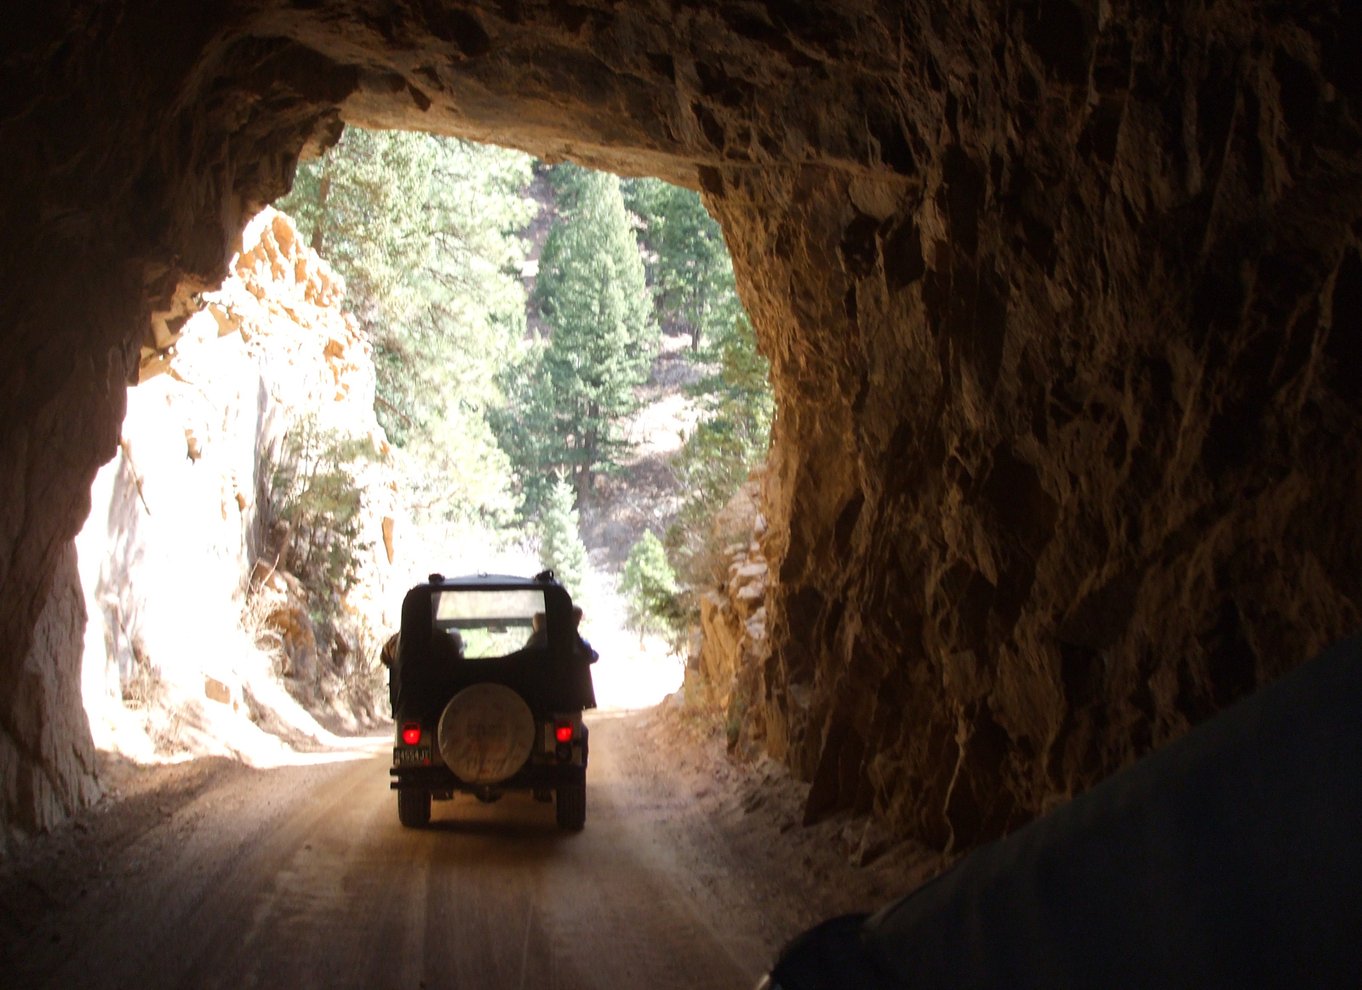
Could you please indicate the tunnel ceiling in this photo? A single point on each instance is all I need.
(1062, 302)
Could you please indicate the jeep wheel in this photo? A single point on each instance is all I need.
(413, 808)
(570, 804)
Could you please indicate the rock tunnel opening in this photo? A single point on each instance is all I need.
(328, 428)
(1063, 306)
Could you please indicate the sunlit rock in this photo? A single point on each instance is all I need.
(174, 533)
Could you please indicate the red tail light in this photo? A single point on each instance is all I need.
(563, 732)
(411, 733)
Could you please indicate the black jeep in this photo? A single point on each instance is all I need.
(488, 686)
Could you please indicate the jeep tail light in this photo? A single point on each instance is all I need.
(563, 732)
(411, 733)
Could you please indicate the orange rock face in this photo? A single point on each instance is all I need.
(1063, 310)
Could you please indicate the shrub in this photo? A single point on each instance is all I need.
(649, 587)
(312, 512)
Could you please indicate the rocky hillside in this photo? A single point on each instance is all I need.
(177, 539)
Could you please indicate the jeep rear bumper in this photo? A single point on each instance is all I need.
(533, 776)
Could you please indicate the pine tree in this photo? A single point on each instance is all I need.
(689, 266)
(426, 232)
(526, 427)
(649, 587)
(561, 549)
(602, 337)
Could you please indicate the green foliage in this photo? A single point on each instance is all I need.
(560, 542)
(731, 439)
(692, 276)
(649, 587)
(568, 397)
(736, 395)
(688, 262)
(429, 234)
(461, 475)
(526, 429)
(313, 503)
(425, 231)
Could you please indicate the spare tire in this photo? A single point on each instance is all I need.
(486, 733)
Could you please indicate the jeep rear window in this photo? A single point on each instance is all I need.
(487, 623)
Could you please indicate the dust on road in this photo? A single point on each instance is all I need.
(302, 877)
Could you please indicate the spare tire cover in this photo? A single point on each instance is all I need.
(486, 733)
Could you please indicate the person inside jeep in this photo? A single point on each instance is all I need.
(538, 637)
(446, 645)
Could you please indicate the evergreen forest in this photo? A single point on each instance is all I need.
(522, 316)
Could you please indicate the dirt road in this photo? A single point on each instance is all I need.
(302, 877)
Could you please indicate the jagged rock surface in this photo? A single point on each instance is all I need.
(732, 643)
(47, 758)
(1062, 305)
(175, 526)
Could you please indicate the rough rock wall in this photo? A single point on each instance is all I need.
(1068, 439)
(173, 530)
(731, 644)
(1061, 300)
(47, 760)
(132, 167)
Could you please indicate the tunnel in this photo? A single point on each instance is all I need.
(1062, 300)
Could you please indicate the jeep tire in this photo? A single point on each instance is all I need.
(413, 807)
(570, 806)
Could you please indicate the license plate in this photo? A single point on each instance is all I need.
(411, 756)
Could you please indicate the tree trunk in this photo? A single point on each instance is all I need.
(697, 321)
(585, 473)
(323, 191)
